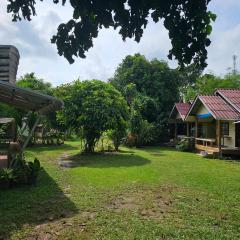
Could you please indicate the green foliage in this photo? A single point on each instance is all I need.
(3, 129)
(91, 107)
(183, 145)
(23, 173)
(6, 176)
(188, 23)
(130, 92)
(30, 81)
(141, 131)
(150, 88)
(152, 80)
(33, 171)
(118, 134)
(208, 83)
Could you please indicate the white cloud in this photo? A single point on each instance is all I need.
(225, 44)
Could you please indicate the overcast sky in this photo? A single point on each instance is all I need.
(40, 56)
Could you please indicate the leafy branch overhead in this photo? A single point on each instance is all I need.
(187, 21)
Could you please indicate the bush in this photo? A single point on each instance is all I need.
(118, 134)
(183, 145)
(130, 140)
(6, 177)
(24, 173)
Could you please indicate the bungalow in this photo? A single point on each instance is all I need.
(216, 118)
(213, 120)
(179, 128)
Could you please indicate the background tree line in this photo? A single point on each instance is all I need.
(132, 107)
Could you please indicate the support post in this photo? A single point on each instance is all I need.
(196, 130)
(175, 129)
(187, 129)
(219, 137)
(31, 133)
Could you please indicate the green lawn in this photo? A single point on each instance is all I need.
(150, 193)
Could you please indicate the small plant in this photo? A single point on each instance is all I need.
(33, 171)
(6, 176)
(183, 145)
(22, 173)
(3, 129)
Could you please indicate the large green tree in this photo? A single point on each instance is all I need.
(187, 21)
(92, 107)
(156, 84)
(150, 88)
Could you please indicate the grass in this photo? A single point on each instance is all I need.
(150, 193)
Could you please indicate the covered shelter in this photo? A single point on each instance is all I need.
(215, 129)
(28, 100)
(179, 127)
(22, 98)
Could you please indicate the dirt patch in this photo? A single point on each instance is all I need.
(147, 203)
(53, 230)
(67, 161)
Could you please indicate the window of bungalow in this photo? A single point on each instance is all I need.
(225, 129)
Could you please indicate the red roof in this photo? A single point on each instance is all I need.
(232, 96)
(183, 108)
(219, 108)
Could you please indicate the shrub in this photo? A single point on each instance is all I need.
(24, 173)
(183, 145)
(130, 140)
(117, 134)
(91, 107)
(6, 176)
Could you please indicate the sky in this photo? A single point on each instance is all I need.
(40, 56)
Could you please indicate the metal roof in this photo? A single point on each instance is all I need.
(232, 96)
(28, 99)
(181, 108)
(218, 107)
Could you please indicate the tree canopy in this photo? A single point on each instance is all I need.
(188, 23)
(150, 89)
(208, 83)
(30, 81)
(91, 107)
(157, 85)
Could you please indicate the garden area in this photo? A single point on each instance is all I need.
(90, 151)
(146, 193)
(98, 167)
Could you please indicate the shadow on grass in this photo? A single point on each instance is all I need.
(33, 205)
(125, 151)
(41, 148)
(109, 160)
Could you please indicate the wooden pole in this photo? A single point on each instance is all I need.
(31, 133)
(187, 129)
(175, 129)
(219, 137)
(196, 130)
